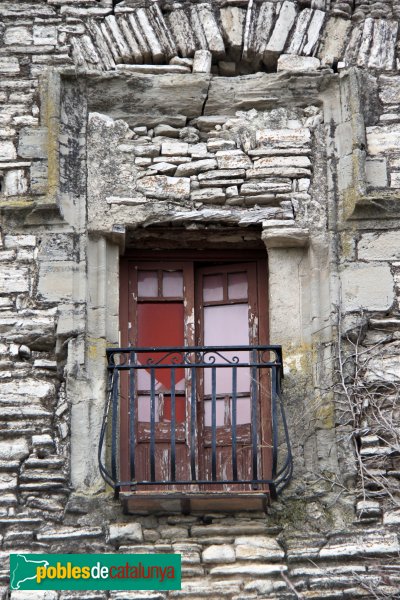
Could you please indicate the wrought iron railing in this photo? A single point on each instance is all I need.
(194, 381)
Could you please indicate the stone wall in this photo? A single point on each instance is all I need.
(242, 124)
(201, 165)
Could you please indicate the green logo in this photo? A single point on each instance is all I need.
(95, 571)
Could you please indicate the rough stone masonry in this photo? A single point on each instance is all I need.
(239, 124)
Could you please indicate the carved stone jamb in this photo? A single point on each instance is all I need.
(287, 249)
(300, 320)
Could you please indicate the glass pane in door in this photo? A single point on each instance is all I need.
(160, 325)
(227, 325)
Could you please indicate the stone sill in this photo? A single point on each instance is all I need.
(376, 205)
(27, 203)
(181, 502)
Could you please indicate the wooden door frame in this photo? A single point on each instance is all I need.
(177, 257)
(256, 300)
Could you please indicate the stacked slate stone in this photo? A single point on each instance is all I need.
(219, 166)
(240, 39)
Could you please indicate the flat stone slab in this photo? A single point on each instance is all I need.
(360, 287)
(163, 187)
(291, 62)
(33, 142)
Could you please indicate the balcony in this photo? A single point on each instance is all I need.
(195, 428)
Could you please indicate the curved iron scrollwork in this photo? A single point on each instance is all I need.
(193, 356)
(255, 360)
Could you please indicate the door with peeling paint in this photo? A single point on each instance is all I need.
(228, 314)
(176, 304)
(160, 312)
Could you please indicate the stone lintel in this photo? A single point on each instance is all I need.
(286, 237)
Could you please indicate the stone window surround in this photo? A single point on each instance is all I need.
(290, 292)
(300, 292)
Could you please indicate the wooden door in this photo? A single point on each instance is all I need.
(173, 303)
(228, 314)
(158, 315)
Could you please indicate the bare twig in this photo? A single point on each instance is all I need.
(291, 586)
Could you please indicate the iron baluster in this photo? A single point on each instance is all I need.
(114, 429)
(132, 441)
(194, 360)
(152, 425)
(173, 425)
(274, 423)
(193, 439)
(213, 424)
(254, 416)
(234, 423)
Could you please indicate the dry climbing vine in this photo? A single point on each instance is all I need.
(368, 399)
